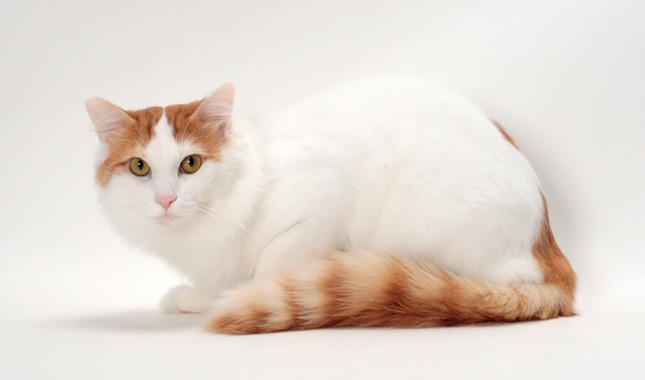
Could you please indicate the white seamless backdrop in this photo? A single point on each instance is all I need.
(565, 78)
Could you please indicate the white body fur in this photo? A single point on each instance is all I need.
(385, 165)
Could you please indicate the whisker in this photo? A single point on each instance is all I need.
(240, 228)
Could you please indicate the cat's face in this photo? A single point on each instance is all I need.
(164, 167)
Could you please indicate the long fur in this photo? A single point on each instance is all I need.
(433, 213)
(367, 290)
(360, 288)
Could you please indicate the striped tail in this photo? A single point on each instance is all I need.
(363, 289)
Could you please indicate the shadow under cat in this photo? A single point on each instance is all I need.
(131, 320)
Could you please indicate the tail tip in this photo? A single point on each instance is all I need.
(231, 325)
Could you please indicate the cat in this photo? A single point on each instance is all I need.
(382, 202)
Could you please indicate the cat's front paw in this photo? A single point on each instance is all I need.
(185, 299)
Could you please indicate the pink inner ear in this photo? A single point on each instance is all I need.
(219, 104)
(106, 116)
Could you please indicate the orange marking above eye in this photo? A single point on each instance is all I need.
(126, 141)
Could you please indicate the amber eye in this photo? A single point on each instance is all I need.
(139, 167)
(191, 164)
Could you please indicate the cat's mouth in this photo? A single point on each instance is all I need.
(170, 218)
(166, 218)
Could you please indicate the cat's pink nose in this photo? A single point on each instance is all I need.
(165, 201)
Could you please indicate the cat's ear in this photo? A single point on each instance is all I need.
(106, 116)
(218, 107)
(219, 104)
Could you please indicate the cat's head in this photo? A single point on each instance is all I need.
(164, 167)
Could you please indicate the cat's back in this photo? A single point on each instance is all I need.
(384, 119)
(386, 104)
(394, 121)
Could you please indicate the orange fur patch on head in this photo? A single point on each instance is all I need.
(554, 264)
(506, 136)
(207, 135)
(125, 141)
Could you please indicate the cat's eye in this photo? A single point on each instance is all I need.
(191, 164)
(139, 167)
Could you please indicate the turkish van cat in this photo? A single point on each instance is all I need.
(383, 202)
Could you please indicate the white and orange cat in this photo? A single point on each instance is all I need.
(385, 202)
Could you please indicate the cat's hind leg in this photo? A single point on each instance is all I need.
(292, 249)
